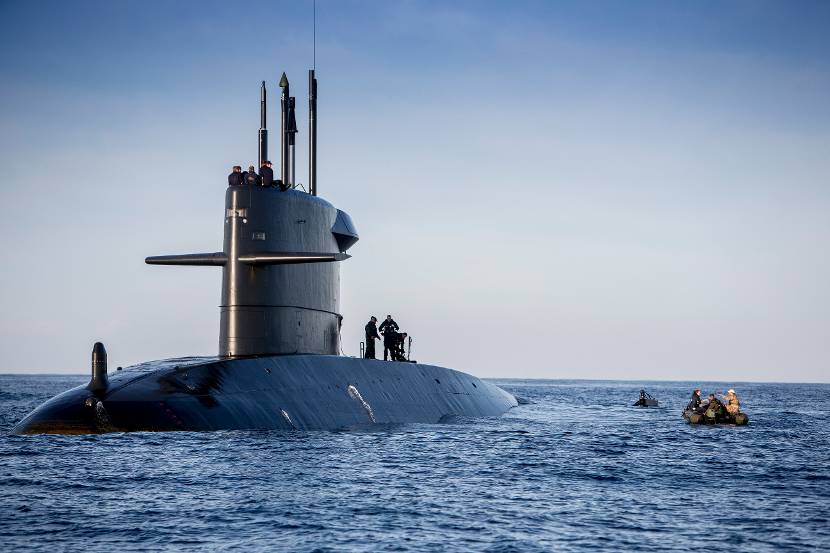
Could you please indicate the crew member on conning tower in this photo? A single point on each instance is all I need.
(250, 177)
(235, 178)
(266, 174)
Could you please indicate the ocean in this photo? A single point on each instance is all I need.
(576, 469)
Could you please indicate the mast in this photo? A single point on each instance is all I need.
(291, 135)
(312, 133)
(284, 101)
(263, 129)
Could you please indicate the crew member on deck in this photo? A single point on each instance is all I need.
(398, 352)
(251, 178)
(266, 174)
(388, 328)
(371, 336)
(235, 178)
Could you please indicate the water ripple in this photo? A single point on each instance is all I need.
(573, 469)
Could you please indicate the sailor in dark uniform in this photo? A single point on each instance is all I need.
(235, 178)
(398, 351)
(371, 336)
(266, 174)
(388, 328)
(250, 177)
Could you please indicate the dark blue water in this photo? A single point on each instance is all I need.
(576, 470)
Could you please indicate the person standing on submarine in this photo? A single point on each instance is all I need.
(235, 178)
(250, 177)
(388, 328)
(371, 336)
(266, 174)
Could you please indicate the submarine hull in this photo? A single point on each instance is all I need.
(303, 392)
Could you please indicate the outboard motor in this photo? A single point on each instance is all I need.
(645, 400)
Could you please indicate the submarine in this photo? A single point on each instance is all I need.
(278, 365)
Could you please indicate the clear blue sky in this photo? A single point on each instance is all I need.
(543, 189)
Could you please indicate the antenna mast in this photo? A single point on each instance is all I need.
(263, 129)
(284, 101)
(312, 112)
(312, 133)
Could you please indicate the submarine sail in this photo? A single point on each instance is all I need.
(278, 364)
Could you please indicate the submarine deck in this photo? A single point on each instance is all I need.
(273, 392)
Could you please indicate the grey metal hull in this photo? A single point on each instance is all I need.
(307, 392)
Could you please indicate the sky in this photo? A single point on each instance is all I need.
(621, 190)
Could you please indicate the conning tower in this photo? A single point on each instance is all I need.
(280, 256)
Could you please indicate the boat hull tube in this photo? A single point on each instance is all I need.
(707, 417)
(302, 392)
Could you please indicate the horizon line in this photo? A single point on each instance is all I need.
(2, 373)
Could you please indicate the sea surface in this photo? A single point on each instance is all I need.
(576, 469)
